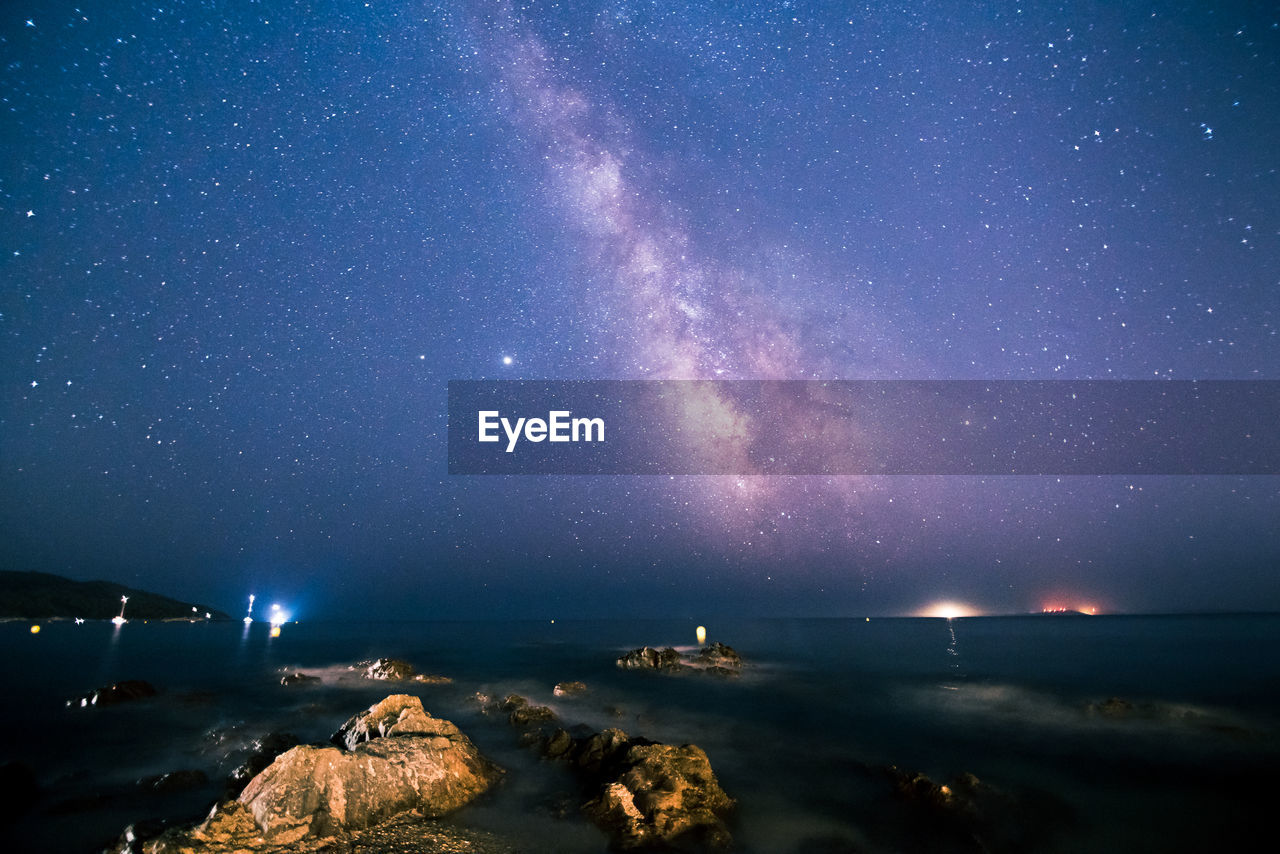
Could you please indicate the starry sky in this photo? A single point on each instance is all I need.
(245, 246)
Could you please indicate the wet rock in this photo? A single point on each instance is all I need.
(648, 658)
(299, 678)
(230, 828)
(263, 752)
(719, 655)
(396, 715)
(664, 795)
(570, 689)
(117, 692)
(184, 780)
(324, 791)
(718, 659)
(432, 679)
(557, 744)
(519, 711)
(391, 669)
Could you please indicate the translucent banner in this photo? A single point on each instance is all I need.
(864, 427)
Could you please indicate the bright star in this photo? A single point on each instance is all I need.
(30, 23)
(506, 360)
(34, 383)
(31, 213)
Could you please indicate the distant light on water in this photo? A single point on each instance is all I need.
(948, 610)
(275, 631)
(35, 630)
(279, 617)
(702, 634)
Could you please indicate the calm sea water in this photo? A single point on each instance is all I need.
(800, 740)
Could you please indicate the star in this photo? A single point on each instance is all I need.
(31, 213)
(507, 360)
(34, 383)
(30, 23)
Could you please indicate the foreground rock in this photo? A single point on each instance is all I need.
(117, 692)
(663, 795)
(718, 658)
(643, 794)
(403, 766)
(262, 752)
(231, 830)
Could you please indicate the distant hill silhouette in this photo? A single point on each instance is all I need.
(39, 595)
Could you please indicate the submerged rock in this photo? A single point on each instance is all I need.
(299, 678)
(117, 692)
(569, 689)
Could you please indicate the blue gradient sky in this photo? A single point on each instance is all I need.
(245, 247)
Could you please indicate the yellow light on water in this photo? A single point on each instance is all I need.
(275, 631)
(702, 634)
(948, 610)
(35, 630)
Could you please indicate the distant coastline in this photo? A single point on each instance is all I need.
(44, 596)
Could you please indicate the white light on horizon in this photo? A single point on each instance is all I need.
(948, 610)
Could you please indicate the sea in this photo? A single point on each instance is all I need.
(1087, 734)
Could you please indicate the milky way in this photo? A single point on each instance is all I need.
(244, 251)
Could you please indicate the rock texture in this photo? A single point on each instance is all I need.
(569, 689)
(403, 767)
(391, 669)
(396, 670)
(718, 659)
(648, 658)
(643, 794)
(262, 752)
(663, 795)
(325, 791)
(230, 829)
(299, 678)
(396, 715)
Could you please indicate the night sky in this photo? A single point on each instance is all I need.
(246, 245)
